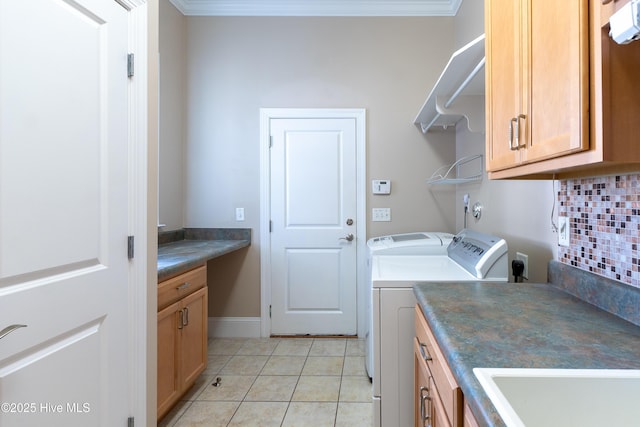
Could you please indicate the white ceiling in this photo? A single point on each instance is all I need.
(317, 7)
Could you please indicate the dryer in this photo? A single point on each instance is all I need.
(422, 243)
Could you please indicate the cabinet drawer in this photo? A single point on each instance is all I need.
(448, 389)
(178, 287)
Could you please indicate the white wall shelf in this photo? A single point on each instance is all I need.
(466, 169)
(462, 80)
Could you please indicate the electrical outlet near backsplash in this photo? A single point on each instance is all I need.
(604, 223)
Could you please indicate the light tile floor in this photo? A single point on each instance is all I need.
(283, 382)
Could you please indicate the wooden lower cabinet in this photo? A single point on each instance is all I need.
(437, 397)
(182, 339)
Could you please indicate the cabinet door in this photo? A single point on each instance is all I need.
(193, 347)
(504, 79)
(558, 68)
(168, 386)
(438, 412)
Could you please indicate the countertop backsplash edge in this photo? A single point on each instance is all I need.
(609, 295)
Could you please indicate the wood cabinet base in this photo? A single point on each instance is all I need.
(438, 399)
(182, 338)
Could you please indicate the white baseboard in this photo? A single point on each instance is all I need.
(234, 327)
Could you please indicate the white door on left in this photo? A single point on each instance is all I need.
(63, 213)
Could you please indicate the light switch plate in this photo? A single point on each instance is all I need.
(239, 214)
(381, 214)
(563, 231)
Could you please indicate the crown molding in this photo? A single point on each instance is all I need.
(317, 7)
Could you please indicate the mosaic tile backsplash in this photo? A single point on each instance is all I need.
(604, 219)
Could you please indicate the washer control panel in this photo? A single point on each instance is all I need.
(482, 255)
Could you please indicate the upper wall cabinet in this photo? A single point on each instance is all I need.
(553, 83)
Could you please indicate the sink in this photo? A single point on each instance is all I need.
(563, 397)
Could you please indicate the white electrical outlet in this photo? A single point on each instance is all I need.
(525, 260)
(381, 214)
(239, 214)
(563, 231)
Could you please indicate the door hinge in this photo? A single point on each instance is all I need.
(269, 311)
(130, 245)
(270, 226)
(130, 65)
(270, 141)
(130, 422)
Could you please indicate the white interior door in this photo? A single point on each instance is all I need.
(63, 213)
(313, 214)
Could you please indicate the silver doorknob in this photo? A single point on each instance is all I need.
(348, 238)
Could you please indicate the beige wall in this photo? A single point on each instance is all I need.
(519, 211)
(173, 61)
(238, 65)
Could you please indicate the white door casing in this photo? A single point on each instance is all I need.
(310, 271)
(65, 212)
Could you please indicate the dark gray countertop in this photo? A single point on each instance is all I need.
(502, 325)
(196, 247)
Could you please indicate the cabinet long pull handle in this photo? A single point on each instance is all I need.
(6, 331)
(186, 315)
(181, 319)
(424, 352)
(424, 413)
(511, 147)
(185, 285)
(514, 135)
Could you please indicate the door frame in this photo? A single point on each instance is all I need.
(266, 114)
(142, 200)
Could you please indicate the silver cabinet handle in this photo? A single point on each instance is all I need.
(185, 285)
(425, 413)
(348, 238)
(6, 331)
(424, 352)
(181, 319)
(186, 315)
(515, 135)
(511, 147)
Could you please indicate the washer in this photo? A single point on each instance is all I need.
(416, 243)
(470, 257)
